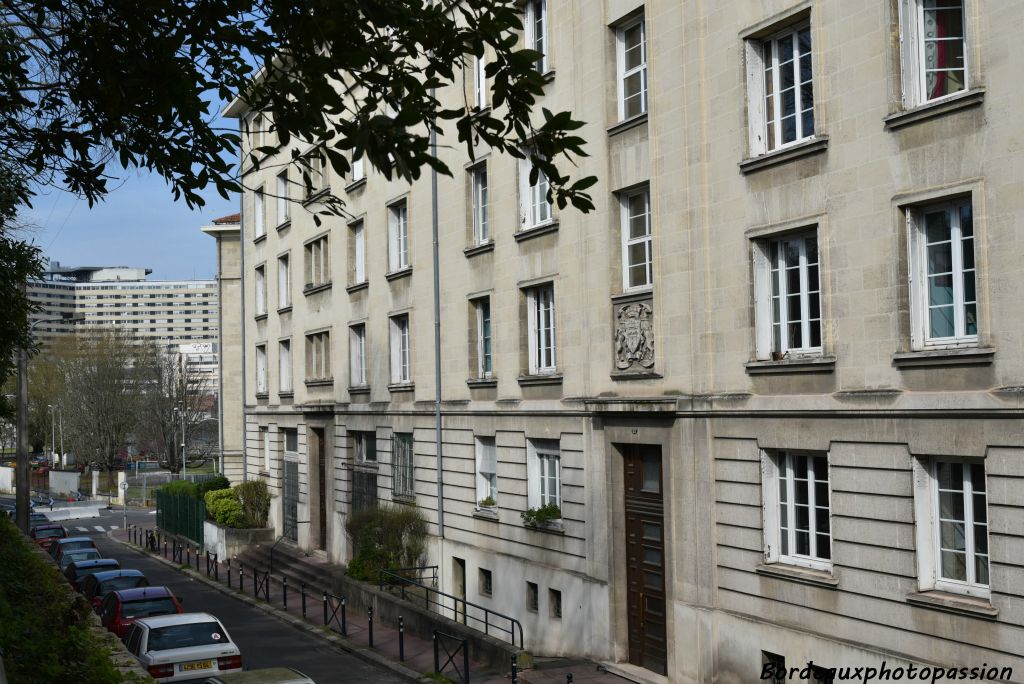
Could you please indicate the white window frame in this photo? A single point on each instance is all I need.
(358, 252)
(284, 281)
(257, 131)
(403, 465)
(481, 227)
(261, 369)
(284, 210)
(912, 43)
(542, 338)
(623, 73)
(646, 239)
(360, 443)
(480, 83)
(544, 472)
(318, 360)
(927, 516)
(358, 170)
(757, 119)
(534, 207)
(486, 469)
(398, 236)
(261, 289)
(357, 355)
(318, 265)
(920, 304)
(284, 365)
(764, 297)
(484, 338)
(401, 371)
(537, 15)
(259, 209)
(772, 471)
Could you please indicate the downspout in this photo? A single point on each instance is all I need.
(241, 291)
(437, 339)
(220, 344)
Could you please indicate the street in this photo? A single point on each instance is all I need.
(263, 640)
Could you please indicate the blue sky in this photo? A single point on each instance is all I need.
(139, 224)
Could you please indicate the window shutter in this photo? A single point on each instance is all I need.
(762, 301)
(770, 506)
(914, 282)
(755, 97)
(532, 476)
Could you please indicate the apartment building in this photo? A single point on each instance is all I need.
(771, 386)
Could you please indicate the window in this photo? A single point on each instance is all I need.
(314, 174)
(532, 597)
(773, 668)
(797, 522)
(541, 312)
(284, 296)
(787, 295)
(284, 362)
(358, 172)
(637, 256)
(265, 447)
(481, 231)
(555, 603)
(479, 83)
(486, 583)
(318, 356)
(631, 46)
(404, 485)
(364, 446)
(259, 211)
(318, 266)
(284, 205)
(934, 50)
(398, 236)
(487, 471)
(536, 25)
(781, 89)
(951, 507)
(261, 291)
(535, 207)
(484, 342)
(543, 473)
(358, 274)
(261, 369)
(357, 355)
(256, 133)
(400, 349)
(944, 306)
(291, 440)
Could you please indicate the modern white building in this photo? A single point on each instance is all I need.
(773, 383)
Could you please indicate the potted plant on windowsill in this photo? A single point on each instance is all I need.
(548, 516)
(487, 502)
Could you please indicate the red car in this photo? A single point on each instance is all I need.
(120, 609)
(46, 535)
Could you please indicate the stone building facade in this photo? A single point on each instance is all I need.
(773, 383)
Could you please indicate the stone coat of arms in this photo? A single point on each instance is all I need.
(634, 336)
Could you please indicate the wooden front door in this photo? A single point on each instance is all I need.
(645, 556)
(321, 468)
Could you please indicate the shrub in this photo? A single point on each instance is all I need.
(385, 537)
(181, 488)
(213, 484)
(223, 507)
(254, 497)
(538, 517)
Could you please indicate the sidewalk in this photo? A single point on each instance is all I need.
(418, 652)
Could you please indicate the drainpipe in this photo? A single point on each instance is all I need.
(437, 340)
(241, 290)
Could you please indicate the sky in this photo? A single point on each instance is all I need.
(138, 224)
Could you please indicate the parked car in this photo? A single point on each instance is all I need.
(37, 519)
(273, 675)
(78, 571)
(121, 608)
(96, 586)
(71, 543)
(78, 555)
(47, 535)
(174, 648)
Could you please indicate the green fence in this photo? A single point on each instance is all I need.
(181, 515)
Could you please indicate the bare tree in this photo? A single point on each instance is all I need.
(104, 391)
(176, 410)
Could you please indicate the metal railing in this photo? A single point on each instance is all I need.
(443, 642)
(284, 533)
(459, 609)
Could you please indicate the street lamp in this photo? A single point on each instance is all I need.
(23, 482)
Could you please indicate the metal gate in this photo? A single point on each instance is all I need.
(364, 490)
(180, 515)
(290, 514)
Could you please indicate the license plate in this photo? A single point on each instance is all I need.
(199, 665)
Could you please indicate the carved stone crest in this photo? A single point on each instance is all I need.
(634, 336)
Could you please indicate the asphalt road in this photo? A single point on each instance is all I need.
(263, 640)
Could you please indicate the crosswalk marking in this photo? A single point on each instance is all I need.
(115, 527)
(98, 528)
(82, 529)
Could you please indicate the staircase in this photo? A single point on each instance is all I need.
(318, 575)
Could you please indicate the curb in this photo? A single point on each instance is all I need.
(335, 640)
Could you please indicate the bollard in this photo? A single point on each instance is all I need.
(284, 592)
(515, 669)
(344, 618)
(437, 656)
(568, 678)
(216, 568)
(229, 573)
(325, 607)
(401, 639)
(369, 623)
(241, 578)
(188, 555)
(165, 548)
(302, 589)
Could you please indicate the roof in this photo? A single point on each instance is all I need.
(48, 526)
(230, 218)
(94, 563)
(114, 574)
(178, 619)
(68, 540)
(140, 593)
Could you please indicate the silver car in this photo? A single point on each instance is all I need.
(181, 647)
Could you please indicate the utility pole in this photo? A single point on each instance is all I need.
(53, 434)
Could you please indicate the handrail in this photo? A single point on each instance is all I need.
(431, 573)
(284, 533)
(390, 578)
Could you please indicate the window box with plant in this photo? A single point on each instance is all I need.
(548, 516)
